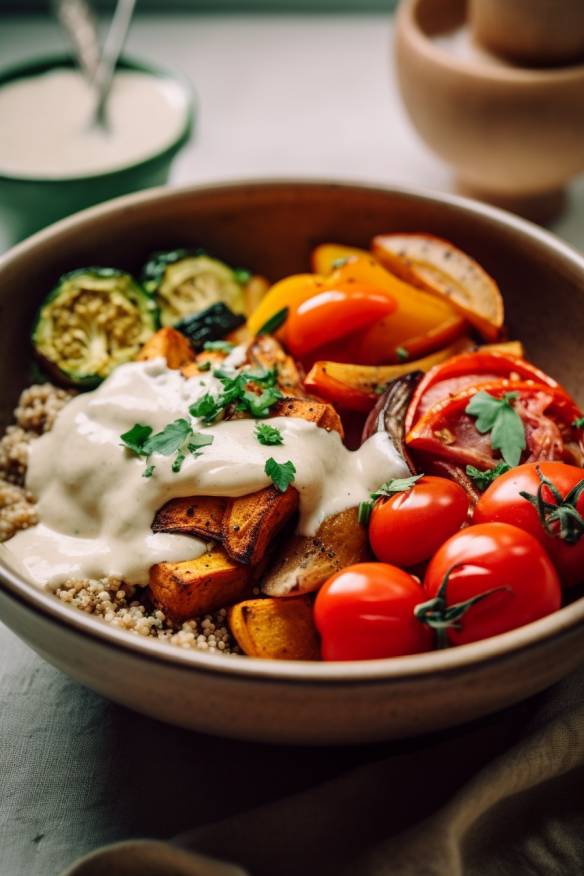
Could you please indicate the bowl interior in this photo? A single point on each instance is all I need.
(271, 228)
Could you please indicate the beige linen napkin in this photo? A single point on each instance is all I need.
(517, 807)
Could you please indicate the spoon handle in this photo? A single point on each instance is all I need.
(78, 21)
(112, 50)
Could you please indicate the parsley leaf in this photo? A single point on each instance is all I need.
(402, 354)
(484, 479)
(578, 423)
(241, 276)
(282, 474)
(259, 405)
(272, 324)
(135, 438)
(498, 416)
(389, 488)
(219, 346)
(169, 440)
(267, 434)
(235, 390)
(148, 471)
(340, 262)
(206, 408)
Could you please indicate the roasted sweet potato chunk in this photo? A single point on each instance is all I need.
(169, 343)
(251, 522)
(306, 562)
(192, 515)
(277, 629)
(321, 413)
(194, 587)
(265, 352)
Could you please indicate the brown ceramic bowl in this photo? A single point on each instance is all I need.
(271, 227)
(514, 135)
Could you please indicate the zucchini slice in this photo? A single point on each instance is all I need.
(185, 282)
(93, 320)
(211, 324)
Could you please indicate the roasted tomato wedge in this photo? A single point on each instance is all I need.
(486, 580)
(334, 313)
(447, 431)
(470, 369)
(546, 500)
(366, 612)
(406, 528)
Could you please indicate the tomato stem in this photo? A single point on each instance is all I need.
(440, 616)
(560, 519)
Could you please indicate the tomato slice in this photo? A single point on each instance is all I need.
(334, 313)
(448, 432)
(469, 369)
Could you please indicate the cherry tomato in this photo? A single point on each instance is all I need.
(448, 432)
(366, 612)
(469, 369)
(334, 313)
(410, 526)
(559, 525)
(488, 557)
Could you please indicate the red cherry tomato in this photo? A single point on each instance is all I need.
(479, 559)
(469, 369)
(410, 526)
(559, 526)
(366, 612)
(334, 313)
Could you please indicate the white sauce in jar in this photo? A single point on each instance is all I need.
(97, 508)
(46, 130)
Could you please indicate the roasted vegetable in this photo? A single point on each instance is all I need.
(322, 414)
(212, 324)
(185, 590)
(193, 515)
(94, 320)
(265, 352)
(169, 344)
(276, 629)
(185, 282)
(307, 561)
(437, 266)
(252, 522)
(389, 413)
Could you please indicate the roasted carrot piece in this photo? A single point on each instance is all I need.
(169, 343)
(321, 413)
(251, 522)
(277, 629)
(192, 515)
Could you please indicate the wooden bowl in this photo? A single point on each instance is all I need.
(514, 135)
(271, 227)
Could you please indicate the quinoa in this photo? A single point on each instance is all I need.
(114, 601)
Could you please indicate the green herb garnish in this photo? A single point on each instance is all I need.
(402, 354)
(219, 346)
(498, 416)
(281, 473)
(340, 262)
(236, 391)
(272, 324)
(241, 276)
(268, 435)
(177, 438)
(389, 488)
(578, 423)
(204, 366)
(484, 479)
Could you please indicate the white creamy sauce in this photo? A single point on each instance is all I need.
(46, 130)
(97, 508)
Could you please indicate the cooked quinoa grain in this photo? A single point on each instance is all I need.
(111, 599)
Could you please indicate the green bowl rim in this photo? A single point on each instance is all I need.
(32, 68)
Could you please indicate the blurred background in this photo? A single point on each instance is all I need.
(297, 88)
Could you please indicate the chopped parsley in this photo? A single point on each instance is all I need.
(272, 324)
(340, 262)
(177, 438)
(499, 417)
(484, 479)
(282, 474)
(268, 435)
(402, 354)
(236, 391)
(578, 423)
(389, 488)
(219, 346)
(241, 276)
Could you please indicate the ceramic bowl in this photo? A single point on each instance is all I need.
(271, 227)
(29, 203)
(514, 135)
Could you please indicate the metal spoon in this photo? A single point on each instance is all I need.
(78, 21)
(112, 50)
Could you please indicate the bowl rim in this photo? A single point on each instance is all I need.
(396, 669)
(409, 29)
(42, 64)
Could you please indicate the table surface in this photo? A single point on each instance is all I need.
(280, 95)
